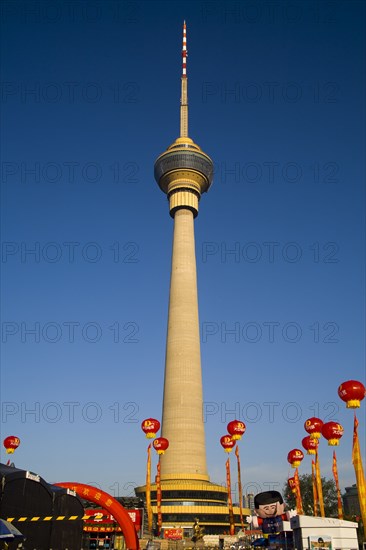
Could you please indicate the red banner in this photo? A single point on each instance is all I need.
(240, 488)
(148, 490)
(173, 534)
(158, 499)
(336, 479)
(229, 498)
(319, 486)
(102, 521)
(299, 508)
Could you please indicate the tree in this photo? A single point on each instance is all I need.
(306, 488)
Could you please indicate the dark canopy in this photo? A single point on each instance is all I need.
(25, 494)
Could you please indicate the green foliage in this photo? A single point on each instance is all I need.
(306, 487)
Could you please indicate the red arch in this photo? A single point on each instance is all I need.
(112, 506)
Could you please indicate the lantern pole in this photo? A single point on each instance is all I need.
(160, 445)
(236, 429)
(228, 443)
(314, 427)
(149, 426)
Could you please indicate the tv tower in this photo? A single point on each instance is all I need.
(184, 172)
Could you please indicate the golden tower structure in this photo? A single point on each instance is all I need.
(184, 172)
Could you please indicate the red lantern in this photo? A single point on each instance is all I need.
(333, 432)
(236, 429)
(11, 443)
(150, 426)
(352, 392)
(160, 445)
(295, 457)
(310, 444)
(228, 443)
(292, 484)
(313, 426)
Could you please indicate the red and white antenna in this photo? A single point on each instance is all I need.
(184, 51)
(184, 92)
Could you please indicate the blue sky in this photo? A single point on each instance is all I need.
(90, 98)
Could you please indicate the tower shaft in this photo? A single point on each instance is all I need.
(182, 406)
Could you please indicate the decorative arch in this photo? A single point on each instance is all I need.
(112, 506)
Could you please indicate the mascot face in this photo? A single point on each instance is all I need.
(270, 510)
(269, 504)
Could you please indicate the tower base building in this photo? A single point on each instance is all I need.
(184, 501)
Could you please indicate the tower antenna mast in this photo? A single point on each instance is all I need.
(184, 90)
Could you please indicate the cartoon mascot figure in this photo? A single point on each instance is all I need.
(270, 513)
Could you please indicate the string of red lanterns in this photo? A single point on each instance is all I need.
(352, 392)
